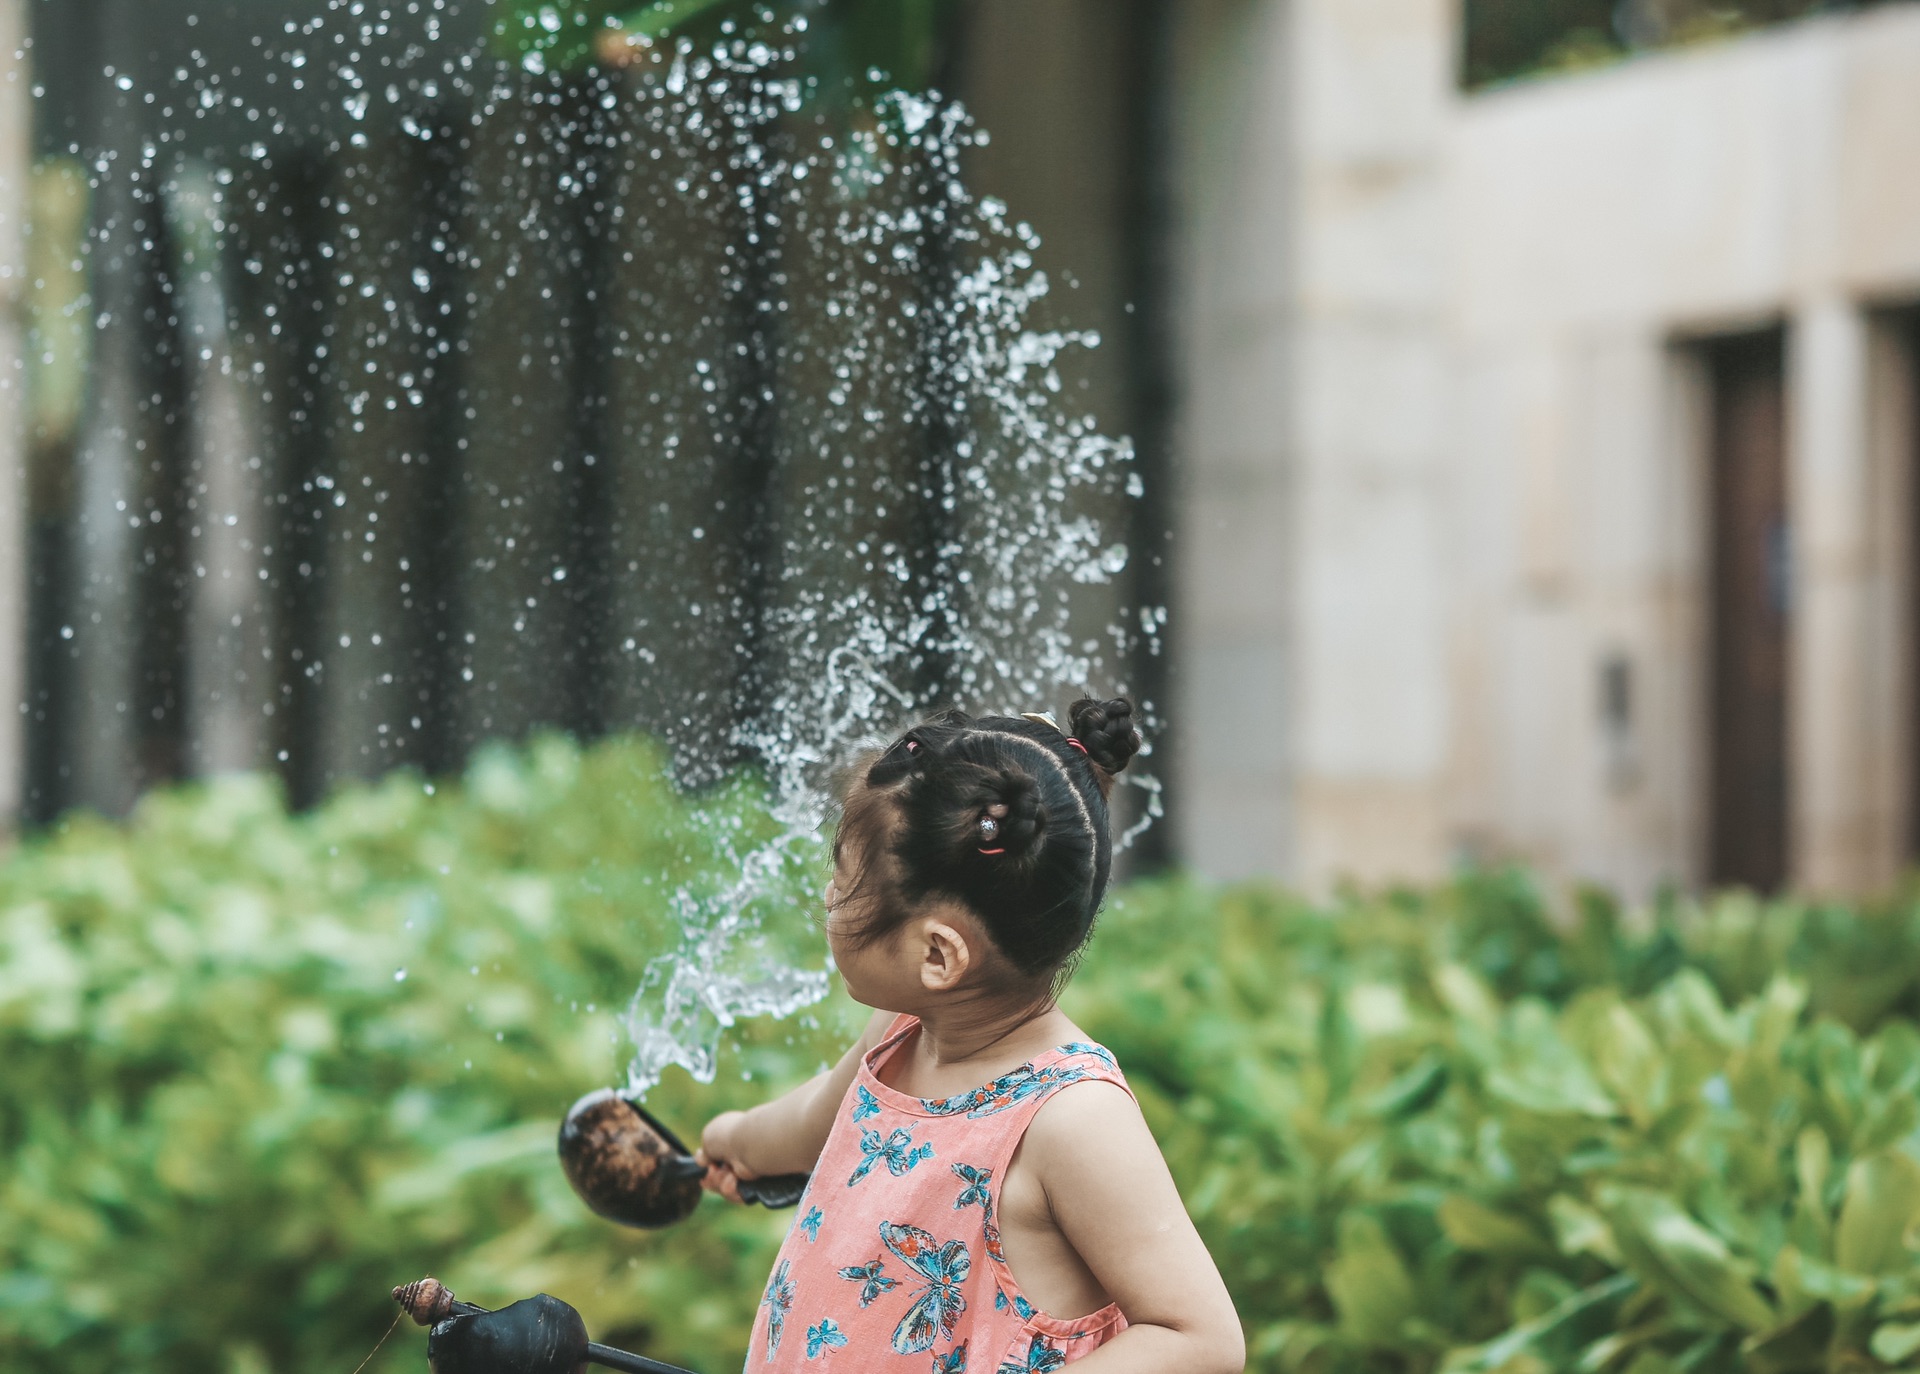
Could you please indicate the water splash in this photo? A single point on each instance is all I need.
(977, 606)
(719, 408)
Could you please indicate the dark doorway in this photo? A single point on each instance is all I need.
(1751, 582)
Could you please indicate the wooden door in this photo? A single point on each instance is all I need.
(1751, 614)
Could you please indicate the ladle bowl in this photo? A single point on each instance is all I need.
(629, 1167)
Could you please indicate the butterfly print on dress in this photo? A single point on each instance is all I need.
(994, 1250)
(810, 1223)
(778, 1302)
(976, 1189)
(897, 1152)
(1042, 1358)
(954, 1362)
(865, 1104)
(937, 1306)
(826, 1336)
(871, 1278)
(1007, 1091)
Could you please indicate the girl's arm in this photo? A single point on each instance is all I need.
(1113, 1199)
(786, 1135)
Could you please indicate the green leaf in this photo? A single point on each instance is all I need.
(1795, 1346)
(1411, 1091)
(1580, 1230)
(1540, 1072)
(1466, 996)
(1893, 1342)
(1672, 1251)
(1881, 1205)
(1629, 1062)
(1479, 1229)
(1368, 1283)
(1812, 1165)
(1803, 1281)
(1509, 1346)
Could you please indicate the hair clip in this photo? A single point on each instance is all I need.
(990, 831)
(1042, 718)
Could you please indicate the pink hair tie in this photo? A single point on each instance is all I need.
(1078, 745)
(993, 851)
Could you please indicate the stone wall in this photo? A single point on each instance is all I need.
(1596, 225)
(1444, 543)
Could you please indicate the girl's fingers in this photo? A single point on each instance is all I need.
(722, 1180)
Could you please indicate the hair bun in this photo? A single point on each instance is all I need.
(1019, 829)
(1106, 730)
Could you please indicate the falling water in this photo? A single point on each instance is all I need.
(817, 471)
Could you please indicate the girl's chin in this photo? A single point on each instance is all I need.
(872, 1001)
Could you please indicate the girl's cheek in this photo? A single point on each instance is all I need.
(836, 939)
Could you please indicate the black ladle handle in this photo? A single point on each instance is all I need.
(776, 1190)
(634, 1364)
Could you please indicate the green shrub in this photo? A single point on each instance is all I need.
(229, 1124)
(1433, 1131)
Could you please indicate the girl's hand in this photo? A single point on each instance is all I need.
(723, 1179)
(719, 1153)
(786, 1135)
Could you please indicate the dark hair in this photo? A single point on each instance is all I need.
(1007, 815)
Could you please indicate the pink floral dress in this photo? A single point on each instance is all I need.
(894, 1259)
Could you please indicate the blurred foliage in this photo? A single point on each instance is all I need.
(1436, 1131)
(850, 46)
(1505, 39)
(261, 1068)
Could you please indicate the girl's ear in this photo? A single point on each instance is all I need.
(945, 955)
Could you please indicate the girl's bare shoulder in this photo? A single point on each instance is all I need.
(1095, 1121)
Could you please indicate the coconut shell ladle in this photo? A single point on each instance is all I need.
(628, 1167)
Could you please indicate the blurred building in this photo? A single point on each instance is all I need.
(1537, 458)
(1549, 453)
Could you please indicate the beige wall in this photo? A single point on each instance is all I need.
(1593, 222)
(1444, 439)
(15, 156)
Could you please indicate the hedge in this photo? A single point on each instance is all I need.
(260, 1067)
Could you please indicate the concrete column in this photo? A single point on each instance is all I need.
(1233, 545)
(231, 680)
(1841, 728)
(1371, 95)
(111, 500)
(16, 151)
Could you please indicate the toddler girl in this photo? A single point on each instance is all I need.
(985, 1192)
